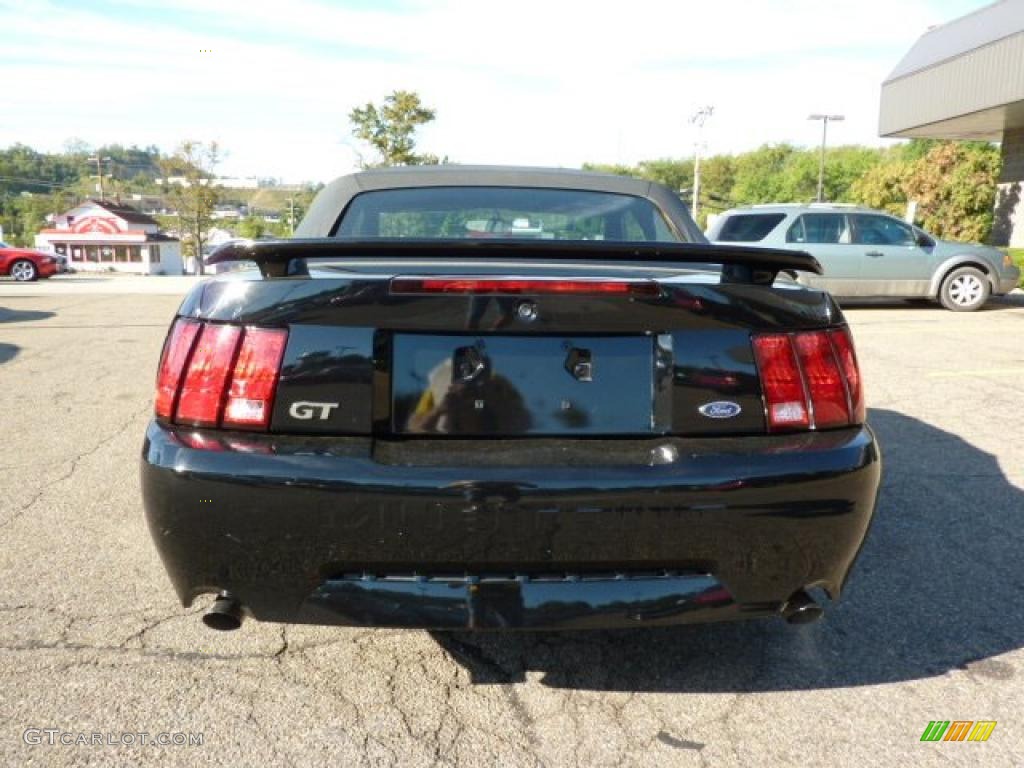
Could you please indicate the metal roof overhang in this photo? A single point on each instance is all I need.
(963, 80)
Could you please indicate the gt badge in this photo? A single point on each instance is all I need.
(720, 409)
(306, 410)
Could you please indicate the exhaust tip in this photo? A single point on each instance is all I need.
(225, 615)
(801, 608)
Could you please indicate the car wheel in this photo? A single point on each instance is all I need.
(24, 271)
(964, 289)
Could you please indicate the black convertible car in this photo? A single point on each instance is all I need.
(472, 397)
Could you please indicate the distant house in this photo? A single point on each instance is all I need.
(102, 235)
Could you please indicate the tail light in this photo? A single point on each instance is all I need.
(172, 365)
(842, 342)
(810, 380)
(202, 394)
(219, 375)
(824, 381)
(251, 393)
(781, 382)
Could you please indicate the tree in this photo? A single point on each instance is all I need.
(390, 129)
(196, 197)
(252, 227)
(883, 187)
(614, 168)
(674, 174)
(953, 184)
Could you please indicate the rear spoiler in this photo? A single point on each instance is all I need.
(283, 258)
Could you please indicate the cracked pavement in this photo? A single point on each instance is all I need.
(93, 640)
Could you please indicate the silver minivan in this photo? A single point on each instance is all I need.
(868, 253)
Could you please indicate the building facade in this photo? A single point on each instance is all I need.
(965, 80)
(103, 235)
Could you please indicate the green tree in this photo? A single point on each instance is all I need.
(674, 174)
(252, 227)
(955, 189)
(390, 129)
(617, 169)
(884, 186)
(196, 197)
(760, 174)
(953, 184)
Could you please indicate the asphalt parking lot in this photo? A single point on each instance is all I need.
(93, 640)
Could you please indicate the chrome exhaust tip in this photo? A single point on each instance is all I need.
(225, 615)
(801, 608)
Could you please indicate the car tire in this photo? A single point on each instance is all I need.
(965, 289)
(24, 271)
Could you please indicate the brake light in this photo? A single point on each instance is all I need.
(172, 364)
(781, 381)
(810, 380)
(824, 381)
(843, 343)
(251, 394)
(212, 375)
(202, 394)
(514, 287)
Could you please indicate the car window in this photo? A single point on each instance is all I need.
(4, 245)
(748, 227)
(821, 228)
(503, 213)
(881, 230)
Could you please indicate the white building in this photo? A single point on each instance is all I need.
(103, 235)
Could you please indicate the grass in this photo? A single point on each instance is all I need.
(1017, 254)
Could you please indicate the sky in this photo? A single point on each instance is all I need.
(531, 82)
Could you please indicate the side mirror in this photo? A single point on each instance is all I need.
(924, 241)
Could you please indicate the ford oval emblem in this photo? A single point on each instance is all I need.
(720, 409)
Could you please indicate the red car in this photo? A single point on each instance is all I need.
(24, 264)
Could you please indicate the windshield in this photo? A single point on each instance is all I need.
(504, 213)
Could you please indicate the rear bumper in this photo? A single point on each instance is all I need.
(1005, 283)
(516, 533)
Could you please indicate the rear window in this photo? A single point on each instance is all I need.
(503, 213)
(748, 227)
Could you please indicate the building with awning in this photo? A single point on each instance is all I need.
(965, 80)
(102, 235)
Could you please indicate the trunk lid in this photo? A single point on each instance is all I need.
(537, 339)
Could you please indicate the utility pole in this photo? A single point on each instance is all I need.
(291, 215)
(824, 135)
(99, 171)
(698, 119)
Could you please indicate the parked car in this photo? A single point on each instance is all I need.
(24, 264)
(868, 253)
(412, 417)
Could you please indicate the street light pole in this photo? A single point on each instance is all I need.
(824, 135)
(698, 119)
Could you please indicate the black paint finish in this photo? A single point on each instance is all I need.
(571, 601)
(765, 515)
(343, 333)
(326, 365)
(524, 513)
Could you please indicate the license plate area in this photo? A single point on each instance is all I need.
(522, 385)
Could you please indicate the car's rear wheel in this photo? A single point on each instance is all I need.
(964, 289)
(24, 271)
